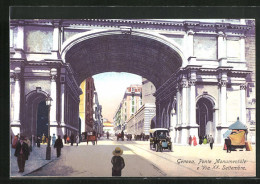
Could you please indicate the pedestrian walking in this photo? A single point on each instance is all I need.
(190, 140)
(68, 139)
(205, 141)
(43, 138)
(53, 139)
(211, 141)
(228, 144)
(194, 140)
(38, 142)
(107, 135)
(65, 138)
(58, 145)
(22, 153)
(77, 139)
(117, 161)
(200, 140)
(71, 139)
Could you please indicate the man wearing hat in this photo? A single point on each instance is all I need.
(22, 153)
(117, 161)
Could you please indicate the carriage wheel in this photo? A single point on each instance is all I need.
(156, 148)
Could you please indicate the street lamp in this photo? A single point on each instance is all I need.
(48, 149)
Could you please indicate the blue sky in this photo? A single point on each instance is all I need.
(111, 87)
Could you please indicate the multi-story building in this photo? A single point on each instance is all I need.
(97, 116)
(203, 71)
(108, 127)
(140, 122)
(90, 111)
(130, 103)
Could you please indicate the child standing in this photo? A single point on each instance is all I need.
(117, 161)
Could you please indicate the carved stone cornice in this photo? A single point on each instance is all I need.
(53, 78)
(17, 74)
(184, 83)
(192, 82)
(138, 24)
(222, 83)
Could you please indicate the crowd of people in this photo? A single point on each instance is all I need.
(23, 146)
(202, 140)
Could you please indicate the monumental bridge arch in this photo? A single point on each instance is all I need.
(54, 56)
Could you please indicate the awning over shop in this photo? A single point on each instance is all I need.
(237, 126)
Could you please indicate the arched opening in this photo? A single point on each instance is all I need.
(36, 114)
(152, 56)
(204, 117)
(42, 119)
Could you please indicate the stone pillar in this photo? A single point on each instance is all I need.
(173, 121)
(56, 40)
(16, 124)
(243, 103)
(192, 107)
(20, 38)
(184, 85)
(53, 110)
(222, 127)
(184, 132)
(190, 49)
(223, 102)
(62, 104)
(242, 49)
(222, 48)
(177, 105)
(192, 104)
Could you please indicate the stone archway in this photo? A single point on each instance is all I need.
(152, 56)
(204, 116)
(29, 127)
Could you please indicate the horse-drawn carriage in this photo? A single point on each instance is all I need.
(128, 137)
(120, 136)
(89, 136)
(142, 136)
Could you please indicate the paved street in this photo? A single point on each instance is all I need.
(94, 161)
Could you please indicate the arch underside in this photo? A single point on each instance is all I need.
(124, 53)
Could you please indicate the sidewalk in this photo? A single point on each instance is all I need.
(37, 159)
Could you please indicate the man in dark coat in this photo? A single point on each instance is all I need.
(211, 141)
(123, 134)
(58, 145)
(107, 135)
(71, 139)
(65, 138)
(22, 153)
(38, 141)
(228, 144)
(117, 161)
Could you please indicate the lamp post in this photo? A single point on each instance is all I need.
(48, 149)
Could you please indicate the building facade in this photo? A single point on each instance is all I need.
(140, 121)
(130, 103)
(97, 116)
(108, 127)
(90, 111)
(203, 70)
